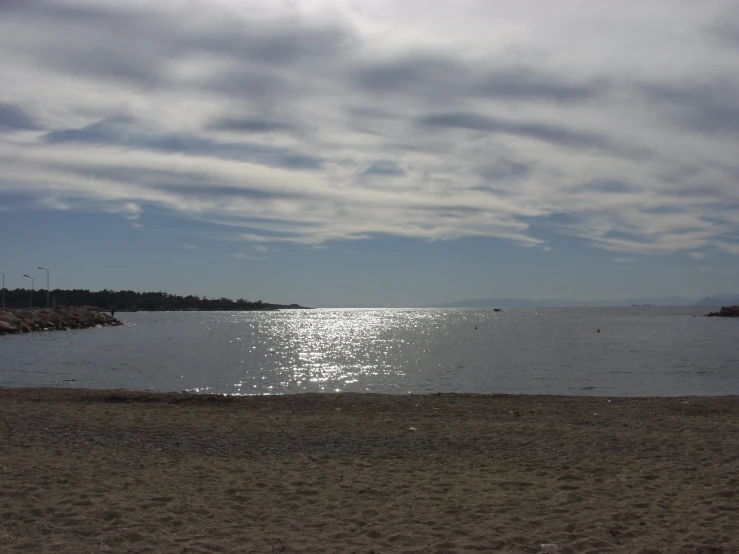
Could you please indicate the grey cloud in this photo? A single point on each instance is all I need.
(101, 41)
(9, 7)
(711, 107)
(726, 28)
(436, 75)
(205, 190)
(137, 46)
(279, 42)
(611, 187)
(256, 84)
(110, 62)
(273, 41)
(384, 168)
(411, 72)
(552, 134)
(450, 212)
(269, 77)
(121, 131)
(665, 210)
(526, 84)
(247, 125)
(555, 219)
(504, 170)
(110, 130)
(46, 8)
(14, 118)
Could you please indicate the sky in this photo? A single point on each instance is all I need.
(371, 152)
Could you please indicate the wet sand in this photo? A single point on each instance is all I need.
(112, 471)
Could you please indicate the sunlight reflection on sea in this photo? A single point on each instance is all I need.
(640, 351)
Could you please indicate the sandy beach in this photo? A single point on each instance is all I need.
(113, 471)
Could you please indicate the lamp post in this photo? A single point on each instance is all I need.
(3, 292)
(33, 284)
(48, 273)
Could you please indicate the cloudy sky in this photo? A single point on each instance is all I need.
(371, 151)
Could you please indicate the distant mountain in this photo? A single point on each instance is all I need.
(565, 303)
(719, 300)
(714, 300)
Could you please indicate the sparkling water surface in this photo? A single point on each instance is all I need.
(644, 351)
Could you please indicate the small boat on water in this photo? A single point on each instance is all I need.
(497, 310)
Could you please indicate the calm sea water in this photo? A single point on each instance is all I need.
(639, 352)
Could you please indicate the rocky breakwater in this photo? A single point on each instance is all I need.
(726, 311)
(53, 319)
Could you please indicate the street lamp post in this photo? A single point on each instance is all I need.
(33, 285)
(3, 292)
(48, 273)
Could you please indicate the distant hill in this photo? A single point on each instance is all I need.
(565, 303)
(719, 300)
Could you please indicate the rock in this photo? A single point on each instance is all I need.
(726, 311)
(6, 327)
(9, 317)
(26, 320)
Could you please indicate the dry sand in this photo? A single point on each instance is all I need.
(110, 471)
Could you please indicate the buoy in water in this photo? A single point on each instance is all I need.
(598, 331)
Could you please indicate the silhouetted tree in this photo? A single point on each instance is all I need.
(127, 300)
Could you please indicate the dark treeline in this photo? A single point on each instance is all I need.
(128, 300)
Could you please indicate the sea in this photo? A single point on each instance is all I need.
(623, 351)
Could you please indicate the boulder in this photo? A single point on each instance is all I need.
(6, 327)
(10, 317)
(26, 320)
(726, 311)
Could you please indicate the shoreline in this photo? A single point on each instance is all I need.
(182, 395)
(87, 470)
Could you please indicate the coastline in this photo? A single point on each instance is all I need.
(119, 471)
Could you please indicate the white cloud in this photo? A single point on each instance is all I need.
(128, 210)
(730, 248)
(241, 256)
(325, 120)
